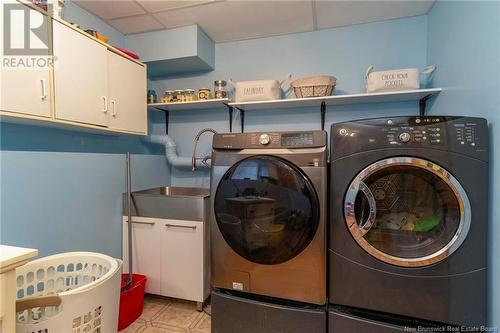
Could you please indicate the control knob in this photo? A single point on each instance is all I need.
(404, 137)
(264, 139)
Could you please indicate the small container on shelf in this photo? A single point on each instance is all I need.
(204, 93)
(151, 98)
(189, 95)
(178, 96)
(220, 89)
(168, 97)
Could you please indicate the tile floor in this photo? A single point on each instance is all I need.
(166, 315)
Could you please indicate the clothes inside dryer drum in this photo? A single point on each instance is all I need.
(266, 209)
(417, 213)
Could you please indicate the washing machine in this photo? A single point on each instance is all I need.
(268, 234)
(408, 222)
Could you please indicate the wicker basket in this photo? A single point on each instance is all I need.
(314, 86)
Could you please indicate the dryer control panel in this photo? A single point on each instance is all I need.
(465, 135)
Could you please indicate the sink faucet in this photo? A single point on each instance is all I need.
(196, 139)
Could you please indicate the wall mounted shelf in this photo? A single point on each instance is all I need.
(209, 104)
(364, 98)
(420, 95)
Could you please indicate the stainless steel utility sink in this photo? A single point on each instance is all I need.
(178, 203)
(171, 191)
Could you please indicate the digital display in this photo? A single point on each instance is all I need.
(297, 139)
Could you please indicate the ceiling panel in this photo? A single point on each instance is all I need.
(232, 20)
(136, 24)
(238, 20)
(156, 5)
(331, 14)
(111, 9)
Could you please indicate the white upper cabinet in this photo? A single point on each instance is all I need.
(25, 90)
(127, 91)
(80, 77)
(89, 85)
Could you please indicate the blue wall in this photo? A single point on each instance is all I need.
(61, 190)
(343, 52)
(464, 42)
(64, 201)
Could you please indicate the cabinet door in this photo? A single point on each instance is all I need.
(182, 259)
(146, 254)
(80, 76)
(127, 94)
(25, 90)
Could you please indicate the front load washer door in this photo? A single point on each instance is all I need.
(407, 211)
(266, 209)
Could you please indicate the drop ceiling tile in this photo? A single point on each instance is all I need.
(156, 5)
(238, 20)
(330, 14)
(136, 24)
(111, 9)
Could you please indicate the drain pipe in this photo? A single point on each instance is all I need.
(171, 151)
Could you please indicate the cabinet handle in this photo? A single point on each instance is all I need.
(105, 104)
(193, 227)
(44, 93)
(140, 222)
(113, 108)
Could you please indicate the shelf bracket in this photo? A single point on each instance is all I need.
(231, 119)
(230, 111)
(167, 120)
(323, 114)
(422, 104)
(167, 115)
(242, 119)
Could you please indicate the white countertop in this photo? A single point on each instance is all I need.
(12, 256)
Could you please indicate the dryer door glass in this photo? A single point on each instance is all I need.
(267, 209)
(407, 211)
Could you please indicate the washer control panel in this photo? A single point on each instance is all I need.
(270, 140)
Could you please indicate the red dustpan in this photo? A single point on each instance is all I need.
(133, 285)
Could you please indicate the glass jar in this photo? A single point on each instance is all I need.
(189, 95)
(220, 90)
(168, 97)
(179, 96)
(204, 93)
(151, 96)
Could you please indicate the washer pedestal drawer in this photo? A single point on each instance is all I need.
(231, 313)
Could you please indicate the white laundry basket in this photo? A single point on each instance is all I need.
(74, 292)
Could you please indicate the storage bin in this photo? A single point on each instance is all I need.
(314, 86)
(396, 79)
(259, 90)
(72, 292)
